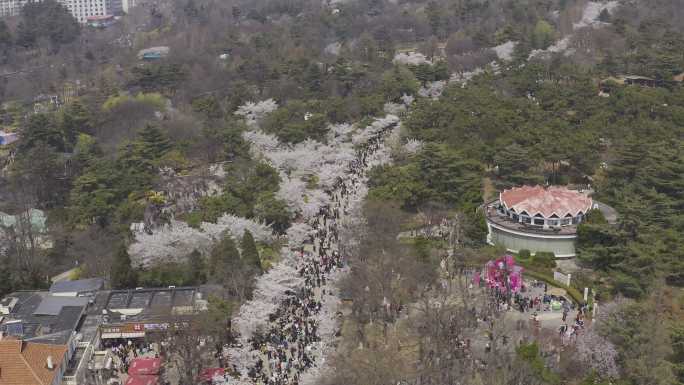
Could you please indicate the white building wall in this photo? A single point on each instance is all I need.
(11, 7)
(127, 5)
(513, 241)
(81, 9)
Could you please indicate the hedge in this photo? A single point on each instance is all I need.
(572, 292)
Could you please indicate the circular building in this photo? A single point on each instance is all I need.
(538, 219)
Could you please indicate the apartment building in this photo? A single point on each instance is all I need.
(11, 7)
(81, 9)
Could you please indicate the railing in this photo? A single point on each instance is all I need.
(502, 220)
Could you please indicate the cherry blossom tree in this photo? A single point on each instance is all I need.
(253, 113)
(432, 90)
(410, 58)
(175, 241)
(596, 351)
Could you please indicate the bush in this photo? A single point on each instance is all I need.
(628, 286)
(194, 219)
(544, 259)
(595, 217)
(524, 254)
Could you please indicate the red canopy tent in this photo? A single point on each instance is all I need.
(145, 366)
(208, 374)
(142, 380)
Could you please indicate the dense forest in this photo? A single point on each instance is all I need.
(113, 153)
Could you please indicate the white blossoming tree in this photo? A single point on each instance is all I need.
(411, 58)
(177, 240)
(253, 113)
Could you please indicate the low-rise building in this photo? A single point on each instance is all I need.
(80, 9)
(77, 288)
(37, 316)
(137, 313)
(30, 363)
(11, 7)
(84, 319)
(153, 53)
(539, 219)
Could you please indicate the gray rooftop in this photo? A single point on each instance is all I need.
(151, 298)
(79, 286)
(53, 305)
(44, 318)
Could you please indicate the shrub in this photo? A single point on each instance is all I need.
(544, 259)
(595, 217)
(524, 254)
(194, 219)
(628, 286)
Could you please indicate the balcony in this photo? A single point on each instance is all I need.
(504, 221)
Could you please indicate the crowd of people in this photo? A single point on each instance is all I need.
(287, 348)
(125, 351)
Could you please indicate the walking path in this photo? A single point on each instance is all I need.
(301, 328)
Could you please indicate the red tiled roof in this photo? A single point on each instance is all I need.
(25, 363)
(546, 201)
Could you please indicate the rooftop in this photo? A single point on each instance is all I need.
(38, 317)
(548, 202)
(151, 304)
(79, 286)
(25, 363)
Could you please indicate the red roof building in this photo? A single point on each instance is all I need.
(27, 363)
(144, 366)
(538, 219)
(545, 206)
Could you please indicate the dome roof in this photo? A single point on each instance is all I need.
(548, 201)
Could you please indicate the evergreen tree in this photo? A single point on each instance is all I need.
(152, 143)
(515, 163)
(5, 36)
(5, 277)
(397, 82)
(75, 120)
(197, 266)
(543, 35)
(224, 257)
(122, 274)
(250, 254)
(48, 19)
(41, 128)
(274, 211)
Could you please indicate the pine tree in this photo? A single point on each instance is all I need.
(152, 143)
(41, 128)
(123, 276)
(250, 254)
(5, 277)
(197, 268)
(224, 257)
